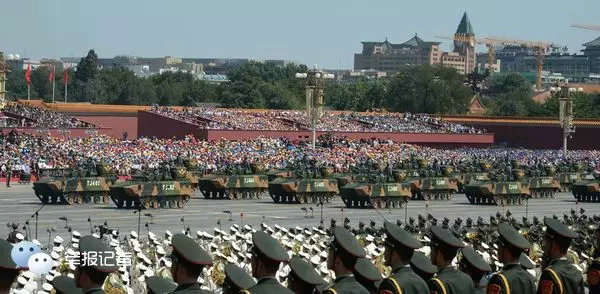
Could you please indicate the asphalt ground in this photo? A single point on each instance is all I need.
(18, 204)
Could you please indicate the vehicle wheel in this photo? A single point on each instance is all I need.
(105, 198)
(45, 199)
(79, 199)
(54, 199)
(275, 198)
(96, 199)
(119, 203)
(147, 204)
(301, 199)
(172, 204)
(180, 204)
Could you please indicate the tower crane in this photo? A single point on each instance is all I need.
(587, 27)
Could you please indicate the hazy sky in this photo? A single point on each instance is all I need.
(326, 32)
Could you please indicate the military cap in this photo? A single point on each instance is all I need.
(305, 272)
(6, 261)
(401, 236)
(474, 259)
(238, 277)
(526, 262)
(90, 244)
(367, 270)
(556, 228)
(158, 285)
(423, 263)
(66, 285)
(189, 250)
(446, 237)
(269, 247)
(348, 242)
(510, 235)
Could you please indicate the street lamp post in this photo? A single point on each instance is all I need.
(565, 100)
(315, 84)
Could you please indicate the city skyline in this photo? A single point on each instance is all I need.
(272, 30)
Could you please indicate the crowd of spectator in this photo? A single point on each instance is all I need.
(279, 120)
(32, 116)
(126, 156)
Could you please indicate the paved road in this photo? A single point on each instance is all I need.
(18, 203)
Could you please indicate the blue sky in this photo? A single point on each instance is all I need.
(326, 32)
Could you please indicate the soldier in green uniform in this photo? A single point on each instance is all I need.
(367, 275)
(267, 254)
(8, 268)
(303, 279)
(449, 280)
(344, 251)
(65, 285)
(158, 285)
(422, 266)
(475, 266)
(90, 276)
(558, 276)
(399, 251)
(236, 279)
(188, 260)
(513, 278)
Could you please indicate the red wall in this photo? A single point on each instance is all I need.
(117, 124)
(155, 125)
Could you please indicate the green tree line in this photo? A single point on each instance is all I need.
(419, 89)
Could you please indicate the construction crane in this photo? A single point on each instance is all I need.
(490, 42)
(587, 27)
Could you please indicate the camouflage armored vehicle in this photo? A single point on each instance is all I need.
(50, 186)
(240, 183)
(570, 175)
(498, 191)
(305, 187)
(273, 174)
(439, 187)
(193, 173)
(411, 177)
(546, 186)
(167, 188)
(90, 186)
(476, 174)
(587, 190)
(379, 193)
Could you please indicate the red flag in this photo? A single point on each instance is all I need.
(51, 77)
(66, 75)
(28, 74)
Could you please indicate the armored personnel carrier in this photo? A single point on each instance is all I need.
(194, 173)
(236, 183)
(569, 175)
(587, 190)
(273, 174)
(378, 192)
(439, 186)
(545, 186)
(49, 188)
(90, 186)
(499, 191)
(305, 187)
(164, 188)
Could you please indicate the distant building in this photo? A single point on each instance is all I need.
(455, 60)
(388, 57)
(467, 50)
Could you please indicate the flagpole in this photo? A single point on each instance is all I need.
(66, 91)
(53, 81)
(28, 91)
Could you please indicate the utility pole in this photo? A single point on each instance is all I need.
(565, 100)
(315, 85)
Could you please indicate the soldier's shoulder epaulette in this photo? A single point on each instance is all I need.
(244, 292)
(330, 291)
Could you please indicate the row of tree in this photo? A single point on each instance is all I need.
(420, 89)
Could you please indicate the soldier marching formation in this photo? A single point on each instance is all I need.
(501, 256)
